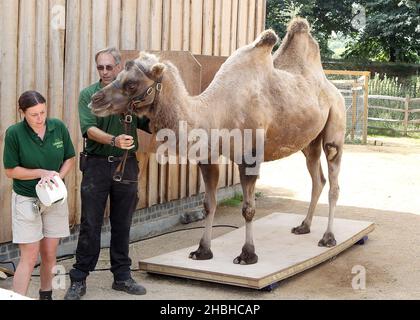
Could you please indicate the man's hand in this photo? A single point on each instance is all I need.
(124, 141)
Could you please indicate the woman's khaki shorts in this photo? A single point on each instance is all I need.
(31, 223)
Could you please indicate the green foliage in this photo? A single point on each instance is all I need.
(392, 32)
(391, 86)
(237, 199)
(378, 30)
(324, 16)
(404, 71)
(233, 202)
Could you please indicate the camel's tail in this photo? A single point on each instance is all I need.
(298, 25)
(267, 38)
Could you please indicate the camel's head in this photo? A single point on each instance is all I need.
(135, 88)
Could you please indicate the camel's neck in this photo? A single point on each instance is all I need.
(174, 104)
(212, 109)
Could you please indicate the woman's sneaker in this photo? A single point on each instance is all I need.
(45, 295)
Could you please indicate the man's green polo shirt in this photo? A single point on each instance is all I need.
(111, 124)
(24, 148)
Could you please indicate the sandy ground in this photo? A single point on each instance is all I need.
(378, 183)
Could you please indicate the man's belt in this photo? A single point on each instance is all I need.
(111, 158)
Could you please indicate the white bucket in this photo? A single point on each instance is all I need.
(49, 196)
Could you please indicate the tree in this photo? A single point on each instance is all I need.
(392, 32)
(325, 16)
(381, 30)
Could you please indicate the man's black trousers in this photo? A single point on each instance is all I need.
(97, 184)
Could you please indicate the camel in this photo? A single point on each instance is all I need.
(285, 94)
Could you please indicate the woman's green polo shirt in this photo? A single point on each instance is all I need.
(24, 148)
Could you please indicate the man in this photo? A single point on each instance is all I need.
(105, 145)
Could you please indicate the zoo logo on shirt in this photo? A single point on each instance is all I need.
(58, 144)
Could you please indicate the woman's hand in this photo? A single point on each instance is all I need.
(47, 177)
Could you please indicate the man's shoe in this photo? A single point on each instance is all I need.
(76, 291)
(130, 286)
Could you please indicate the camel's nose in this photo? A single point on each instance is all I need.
(97, 97)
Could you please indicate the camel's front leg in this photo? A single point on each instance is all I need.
(247, 255)
(210, 174)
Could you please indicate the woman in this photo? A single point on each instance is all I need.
(35, 150)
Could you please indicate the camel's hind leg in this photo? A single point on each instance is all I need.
(247, 255)
(312, 153)
(210, 174)
(333, 147)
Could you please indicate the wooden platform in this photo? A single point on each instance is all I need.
(281, 253)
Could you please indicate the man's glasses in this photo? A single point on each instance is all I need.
(108, 67)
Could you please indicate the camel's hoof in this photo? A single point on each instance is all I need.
(247, 255)
(201, 254)
(327, 240)
(302, 229)
(246, 259)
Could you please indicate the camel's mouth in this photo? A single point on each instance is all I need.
(101, 111)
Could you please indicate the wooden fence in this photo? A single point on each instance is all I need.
(407, 111)
(365, 75)
(49, 45)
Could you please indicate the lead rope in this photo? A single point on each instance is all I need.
(119, 171)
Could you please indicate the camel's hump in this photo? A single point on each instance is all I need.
(298, 25)
(267, 38)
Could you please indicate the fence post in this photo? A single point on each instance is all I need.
(365, 110)
(406, 104)
(353, 110)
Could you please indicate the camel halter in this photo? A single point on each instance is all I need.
(135, 103)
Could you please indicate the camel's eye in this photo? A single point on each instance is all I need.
(130, 85)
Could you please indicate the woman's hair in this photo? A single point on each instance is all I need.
(30, 99)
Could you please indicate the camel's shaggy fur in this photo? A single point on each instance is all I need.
(287, 95)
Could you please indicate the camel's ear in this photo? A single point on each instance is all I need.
(129, 64)
(157, 70)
